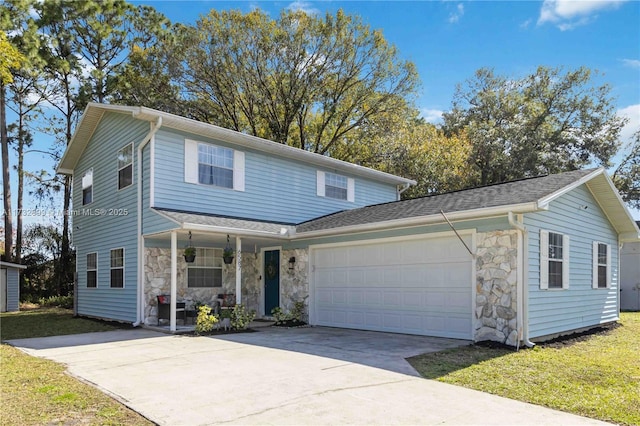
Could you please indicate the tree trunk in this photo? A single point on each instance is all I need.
(21, 142)
(6, 186)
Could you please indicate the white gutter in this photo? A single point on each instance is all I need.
(522, 293)
(422, 220)
(284, 234)
(140, 295)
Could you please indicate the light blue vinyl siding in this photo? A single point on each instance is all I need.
(556, 310)
(102, 225)
(276, 189)
(152, 222)
(13, 290)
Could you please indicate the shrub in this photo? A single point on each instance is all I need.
(279, 315)
(241, 318)
(59, 301)
(206, 320)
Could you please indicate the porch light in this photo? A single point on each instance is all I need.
(292, 262)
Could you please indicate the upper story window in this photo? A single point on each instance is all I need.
(87, 187)
(601, 265)
(125, 166)
(554, 260)
(117, 268)
(336, 186)
(92, 270)
(214, 165)
(206, 270)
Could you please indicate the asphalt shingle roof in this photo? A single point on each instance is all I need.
(515, 192)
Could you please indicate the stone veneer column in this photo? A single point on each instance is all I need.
(294, 284)
(496, 287)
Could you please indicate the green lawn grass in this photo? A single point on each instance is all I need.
(597, 376)
(45, 322)
(36, 391)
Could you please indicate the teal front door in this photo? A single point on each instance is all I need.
(271, 280)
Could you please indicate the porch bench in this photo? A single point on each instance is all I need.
(164, 309)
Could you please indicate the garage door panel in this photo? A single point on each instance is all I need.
(422, 286)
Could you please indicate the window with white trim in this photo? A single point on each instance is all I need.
(206, 270)
(214, 165)
(554, 260)
(92, 270)
(125, 166)
(601, 265)
(117, 268)
(332, 185)
(87, 187)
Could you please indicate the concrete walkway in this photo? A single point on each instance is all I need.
(280, 376)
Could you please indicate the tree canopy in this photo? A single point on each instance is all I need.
(547, 122)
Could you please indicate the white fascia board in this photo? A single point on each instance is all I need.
(423, 220)
(543, 203)
(236, 231)
(13, 265)
(629, 237)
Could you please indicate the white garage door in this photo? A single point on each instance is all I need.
(418, 286)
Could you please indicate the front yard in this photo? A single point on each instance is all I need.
(596, 376)
(37, 391)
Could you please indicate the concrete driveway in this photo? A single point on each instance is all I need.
(280, 376)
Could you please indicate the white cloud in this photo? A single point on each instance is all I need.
(303, 6)
(633, 63)
(433, 116)
(525, 24)
(454, 17)
(632, 112)
(568, 14)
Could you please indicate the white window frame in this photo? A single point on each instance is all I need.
(544, 260)
(597, 264)
(94, 269)
(112, 268)
(217, 264)
(130, 145)
(87, 183)
(191, 162)
(321, 186)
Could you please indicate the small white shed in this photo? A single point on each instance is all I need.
(630, 276)
(10, 286)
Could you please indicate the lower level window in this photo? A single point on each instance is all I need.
(554, 260)
(92, 270)
(206, 270)
(117, 268)
(601, 265)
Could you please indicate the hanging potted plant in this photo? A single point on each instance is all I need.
(227, 253)
(189, 252)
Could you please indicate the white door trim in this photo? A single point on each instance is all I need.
(260, 266)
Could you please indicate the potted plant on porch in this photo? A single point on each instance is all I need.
(189, 254)
(227, 253)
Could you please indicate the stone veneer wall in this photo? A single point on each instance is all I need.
(294, 284)
(158, 280)
(496, 290)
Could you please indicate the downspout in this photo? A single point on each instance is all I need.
(522, 316)
(139, 304)
(401, 189)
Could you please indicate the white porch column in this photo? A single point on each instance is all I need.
(174, 279)
(238, 270)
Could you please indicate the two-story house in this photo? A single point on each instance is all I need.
(509, 262)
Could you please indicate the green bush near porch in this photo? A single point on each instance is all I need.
(597, 376)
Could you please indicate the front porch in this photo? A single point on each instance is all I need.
(257, 284)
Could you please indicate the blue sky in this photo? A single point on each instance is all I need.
(449, 40)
